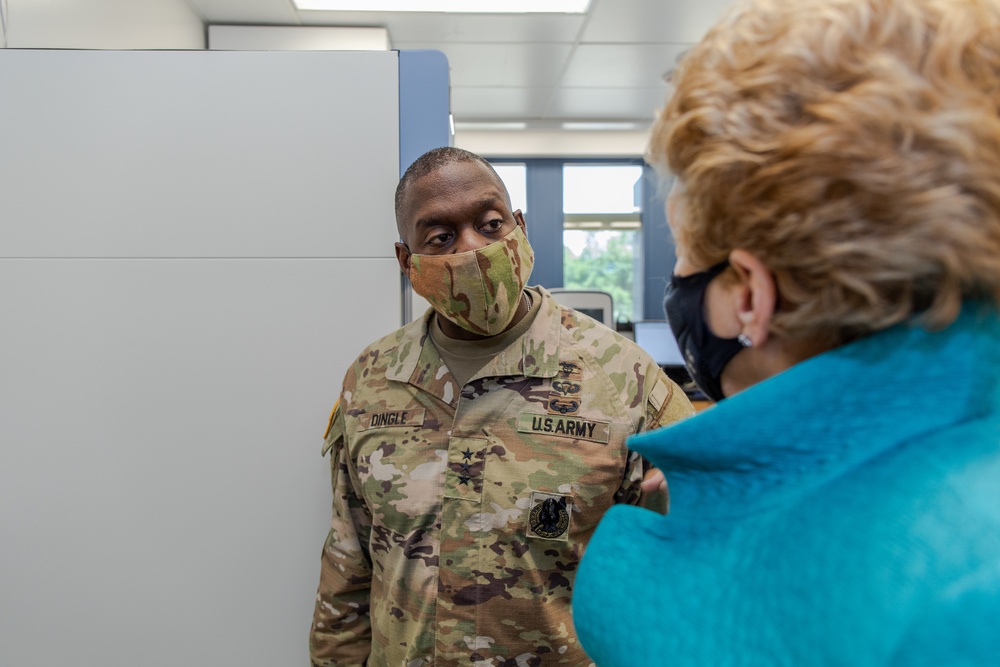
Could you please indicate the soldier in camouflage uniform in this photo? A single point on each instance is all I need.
(474, 450)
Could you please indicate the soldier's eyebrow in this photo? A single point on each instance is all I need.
(424, 223)
(490, 201)
(483, 204)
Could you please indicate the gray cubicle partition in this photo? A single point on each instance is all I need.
(193, 247)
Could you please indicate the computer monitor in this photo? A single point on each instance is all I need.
(657, 339)
(593, 303)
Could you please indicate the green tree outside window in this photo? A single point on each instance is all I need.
(607, 267)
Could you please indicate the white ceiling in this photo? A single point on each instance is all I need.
(542, 69)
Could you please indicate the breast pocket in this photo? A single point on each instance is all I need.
(562, 471)
(400, 461)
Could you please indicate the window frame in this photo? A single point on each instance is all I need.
(545, 219)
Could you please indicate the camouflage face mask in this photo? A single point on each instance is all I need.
(478, 290)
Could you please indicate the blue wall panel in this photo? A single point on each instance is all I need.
(658, 244)
(424, 104)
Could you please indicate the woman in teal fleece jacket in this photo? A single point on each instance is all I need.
(836, 214)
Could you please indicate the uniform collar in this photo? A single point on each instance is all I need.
(828, 414)
(534, 354)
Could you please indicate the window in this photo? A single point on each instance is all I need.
(595, 224)
(515, 177)
(602, 233)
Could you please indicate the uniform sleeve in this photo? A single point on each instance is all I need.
(664, 404)
(341, 627)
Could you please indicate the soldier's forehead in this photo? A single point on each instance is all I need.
(456, 173)
(475, 191)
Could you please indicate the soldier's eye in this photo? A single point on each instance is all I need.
(494, 225)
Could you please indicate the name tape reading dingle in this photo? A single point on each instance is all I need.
(395, 418)
(565, 427)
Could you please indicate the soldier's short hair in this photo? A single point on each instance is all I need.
(433, 160)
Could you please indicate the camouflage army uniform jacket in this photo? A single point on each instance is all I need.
(460, 513)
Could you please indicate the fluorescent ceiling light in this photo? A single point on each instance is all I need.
(599, 126)
(489, 126)
(457, 6)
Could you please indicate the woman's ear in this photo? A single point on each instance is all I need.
(756, 296)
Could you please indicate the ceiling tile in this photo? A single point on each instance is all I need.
(525, 65)
(621, 66)
(426, 27)
(651, 21)
(607, 65)
(489, 103)
(606, 103)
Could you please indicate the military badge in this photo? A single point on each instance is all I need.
(549, 516)
(563, 405)
(570, 370)
(566, 388)
(564, 399)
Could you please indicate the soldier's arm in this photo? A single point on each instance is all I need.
(341, 627)
(664, 403)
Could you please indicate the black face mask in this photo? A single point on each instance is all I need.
(705, 354)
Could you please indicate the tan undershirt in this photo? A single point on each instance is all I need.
(465, 358)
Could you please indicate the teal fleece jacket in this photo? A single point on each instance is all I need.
(843, 512)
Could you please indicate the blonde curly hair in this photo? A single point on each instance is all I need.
(854, 147)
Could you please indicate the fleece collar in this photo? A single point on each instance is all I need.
(825, 415)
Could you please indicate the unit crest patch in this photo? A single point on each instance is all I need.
(549, 515)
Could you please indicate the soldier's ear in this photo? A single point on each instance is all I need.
(403, 257)
(519, 219)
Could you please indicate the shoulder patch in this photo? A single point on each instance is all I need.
(660, 395)
(659, 399)
(666, 405)
(333, 413)
(334, 428)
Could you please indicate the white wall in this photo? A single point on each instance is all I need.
(194, 246)
(103, 24)
(296, 38)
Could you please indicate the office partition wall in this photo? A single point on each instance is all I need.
(193, 248)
